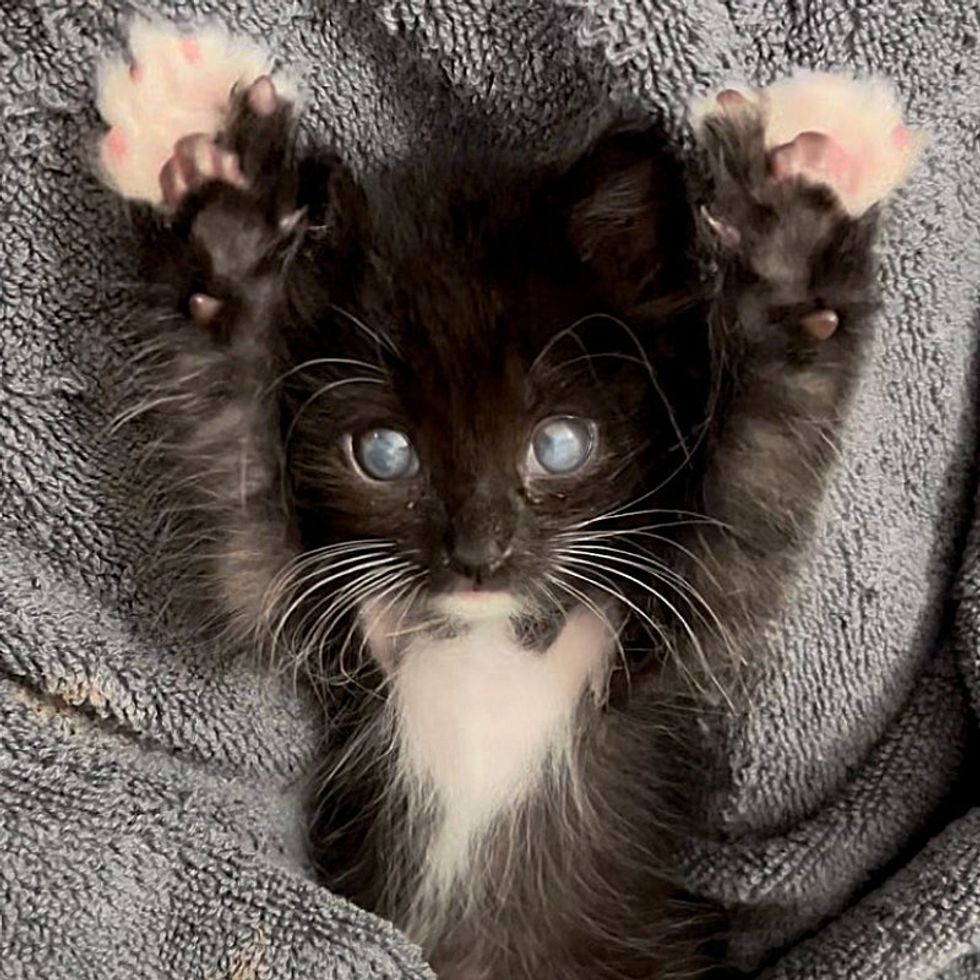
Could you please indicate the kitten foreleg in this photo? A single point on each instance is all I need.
(796, 170)
(201, 132)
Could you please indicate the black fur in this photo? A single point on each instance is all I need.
(462, 301)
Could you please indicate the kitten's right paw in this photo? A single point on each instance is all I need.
(794, 168)
(168, 104)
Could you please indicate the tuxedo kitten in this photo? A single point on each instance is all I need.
(512, 464)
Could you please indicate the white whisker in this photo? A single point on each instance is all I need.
(594, 608)
(322, 390)
(696, 644)
(318, 362)
(382, 340)
(345, 566)
(660, 572)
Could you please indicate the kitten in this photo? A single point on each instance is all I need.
(514, 465)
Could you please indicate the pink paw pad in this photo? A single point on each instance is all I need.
(115, 145)
(191, 50)
(820, 159)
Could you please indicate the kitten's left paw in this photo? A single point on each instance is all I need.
(840, 132)
(175, 85)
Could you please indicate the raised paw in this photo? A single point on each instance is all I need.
(832, 130)
(167, 104)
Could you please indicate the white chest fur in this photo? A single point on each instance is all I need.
(480, 718)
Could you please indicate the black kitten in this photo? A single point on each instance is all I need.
(515, 464)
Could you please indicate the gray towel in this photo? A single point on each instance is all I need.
(150, 822)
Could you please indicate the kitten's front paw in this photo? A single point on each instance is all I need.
(832, 130)
(167, 104)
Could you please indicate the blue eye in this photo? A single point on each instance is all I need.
(561, 445)
(385, 454)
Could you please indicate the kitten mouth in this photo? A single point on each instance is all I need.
(469, 602)
(467, 607)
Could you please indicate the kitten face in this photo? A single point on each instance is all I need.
(475, 399)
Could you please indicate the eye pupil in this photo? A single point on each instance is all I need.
(562, 445)
(385, 454)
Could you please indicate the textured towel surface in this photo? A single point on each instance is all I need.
(149, 814)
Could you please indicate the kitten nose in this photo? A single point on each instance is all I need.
(481, 537)
(478, 558)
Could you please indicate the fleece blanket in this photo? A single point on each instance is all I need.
(150, 790)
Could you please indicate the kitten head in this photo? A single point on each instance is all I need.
(498, 370)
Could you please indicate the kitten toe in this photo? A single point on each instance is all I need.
(196, 160)
(263, 99)
(821, 324)
(203, 308)
(173, 85)
(731, 100)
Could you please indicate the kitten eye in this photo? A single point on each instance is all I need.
(561, 445)
(385, 454)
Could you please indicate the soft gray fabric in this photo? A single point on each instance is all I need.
(150, 821)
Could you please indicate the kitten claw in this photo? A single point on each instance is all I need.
(203, 308)
(288, 223)
(728, 235)
(821, 324)
(263, 99)
(731, 98)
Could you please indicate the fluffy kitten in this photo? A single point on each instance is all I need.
(515, 464)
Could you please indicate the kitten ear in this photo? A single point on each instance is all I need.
(628, 216)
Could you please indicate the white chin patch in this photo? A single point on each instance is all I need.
(474, 606)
